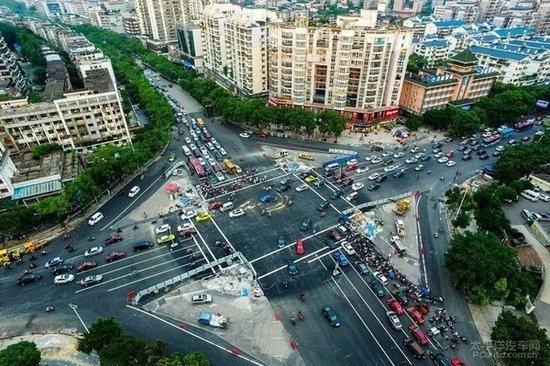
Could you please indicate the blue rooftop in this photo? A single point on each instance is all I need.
(37, 189)
(437, 43)
(513, 32)
(496, 53)
(449, 23)
(532, 44)
(518, 48)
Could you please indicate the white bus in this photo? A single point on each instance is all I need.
(530, 195)
(331, 167)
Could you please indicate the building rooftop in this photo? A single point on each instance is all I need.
(437, 43)
(449, 23)
(513, 32)
(464, 57)
(431, 80)
(498, 53)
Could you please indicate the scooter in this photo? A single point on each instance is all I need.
(49, 308)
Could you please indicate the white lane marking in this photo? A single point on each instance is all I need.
(230, 351)
(130, 205)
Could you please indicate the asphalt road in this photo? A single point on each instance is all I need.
(365, 333)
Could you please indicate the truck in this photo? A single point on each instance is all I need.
(213, 320)
(34, 245)
(9, 255)
(402, 206)
(397, 245)
(280, 154)
(305, 156)
(400, 227)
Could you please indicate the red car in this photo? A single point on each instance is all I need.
(348, 182)
(113, 238)
(415, 315)
(339, 176)
(215, 205)
(187, 233)
(351, 167)
(418, 334)
(450, 154)
(86, 266)
(335, 235)
(457, 362)
(395, 306)
(114, 256)
(300, 248)
(263, 135)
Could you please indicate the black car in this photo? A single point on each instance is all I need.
(282, 188)
(388, 162)
(331, 244)
(377, 288)
(425, 158)
(323, 206)
(481, 152)
(373, 186)
(381, 178)
(334, 195)
(28, 278)
(466, 157)
(483, 157)
(143, 244)
(181, 131)
(437, 145)
(63, 268)
(361, 267)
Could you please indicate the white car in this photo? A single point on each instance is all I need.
(411, 161)
(500, 148)
(443, 160)
(93, 251)
(487, 134)
(357, 186)
(373, 176)
(222, 151)
(450, 163)
(350, 197)
(220, 176)
(419, 155)
(397, 155)
(53, 262)
(163, 229)
(201, 161)
(390, 168)
(348, 248)
(380, 277)
(185, 226)
(414, 150)
(352, 162)
(213, 141)
(64, 278)
(133, 192)
(303, 187)
(193, 146)
(386, 153)
(188, 214)
(211, 161)
(369, 158)
(210, 146)
(438, 155)
(362, 169)
(244, 135)
(95, 218)
(204, 150)
(544, 197)
(187, 140)
(236, 213)
(376, 160)
(394, 320)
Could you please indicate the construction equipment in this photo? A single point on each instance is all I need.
(400, 227)
(8, 255)
(305, 156)
(402, 206)
(33, 246)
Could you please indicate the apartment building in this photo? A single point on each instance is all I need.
(466, 10)
(434, 50)
(489, 8)
(462, 82)
(158, 19)
(12, 78)
(405, 8)
(7, 172)
(131, 25)
(442, 28)
(190, 42)
(235, 47)
(354, 67)
(79, 121)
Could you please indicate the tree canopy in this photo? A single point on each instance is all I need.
(520, 341)
(22, 353)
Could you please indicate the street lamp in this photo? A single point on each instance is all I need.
(74, 307)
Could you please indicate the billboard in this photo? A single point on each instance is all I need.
(542, 103)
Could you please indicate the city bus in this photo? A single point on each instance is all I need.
(229, 165)
(491, 140)
(200, 122)
(196, 167)
(524, 126)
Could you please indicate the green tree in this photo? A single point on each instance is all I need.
(464, 259)
(102, 333)
(416, 63)
(122, 351)
(154, 352)
(413, 122)
(22, 353)
(517, 331)
(462, 220)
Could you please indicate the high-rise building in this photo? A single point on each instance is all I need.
(12, 79)
(406, 8)
(355, 67)
(158, 19)
(235, 47)
(489, 8)
(7, 172)
(190, 42)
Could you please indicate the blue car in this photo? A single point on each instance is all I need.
(306, 225)
(341, 259)
(292, 269)
(266, 198)
(399, 174)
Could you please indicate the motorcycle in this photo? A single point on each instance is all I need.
(32, 265)
(91, 238)
(300, 315)
(49, 308)
(303, 298)
(293, 320)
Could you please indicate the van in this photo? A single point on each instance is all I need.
(226, 206)
(417, 351)
(186, 150)
(530, 195)
(331, 167)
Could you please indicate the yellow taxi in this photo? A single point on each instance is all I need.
(165, 238)
(203, 216)
(238, 169)
(309, 179)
